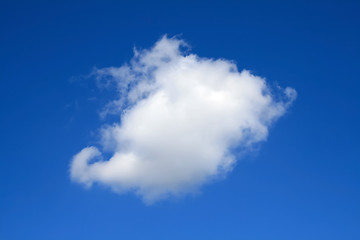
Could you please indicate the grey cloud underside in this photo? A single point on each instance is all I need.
(180, 116)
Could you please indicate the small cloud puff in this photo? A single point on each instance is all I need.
(180, 116)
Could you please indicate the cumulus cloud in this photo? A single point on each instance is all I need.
(180, 117)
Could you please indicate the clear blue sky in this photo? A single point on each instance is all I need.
(302, 183)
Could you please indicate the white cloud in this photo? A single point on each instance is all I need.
(180, 116)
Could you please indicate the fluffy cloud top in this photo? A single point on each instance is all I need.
(180, 116)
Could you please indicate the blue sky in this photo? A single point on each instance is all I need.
(301, 183)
